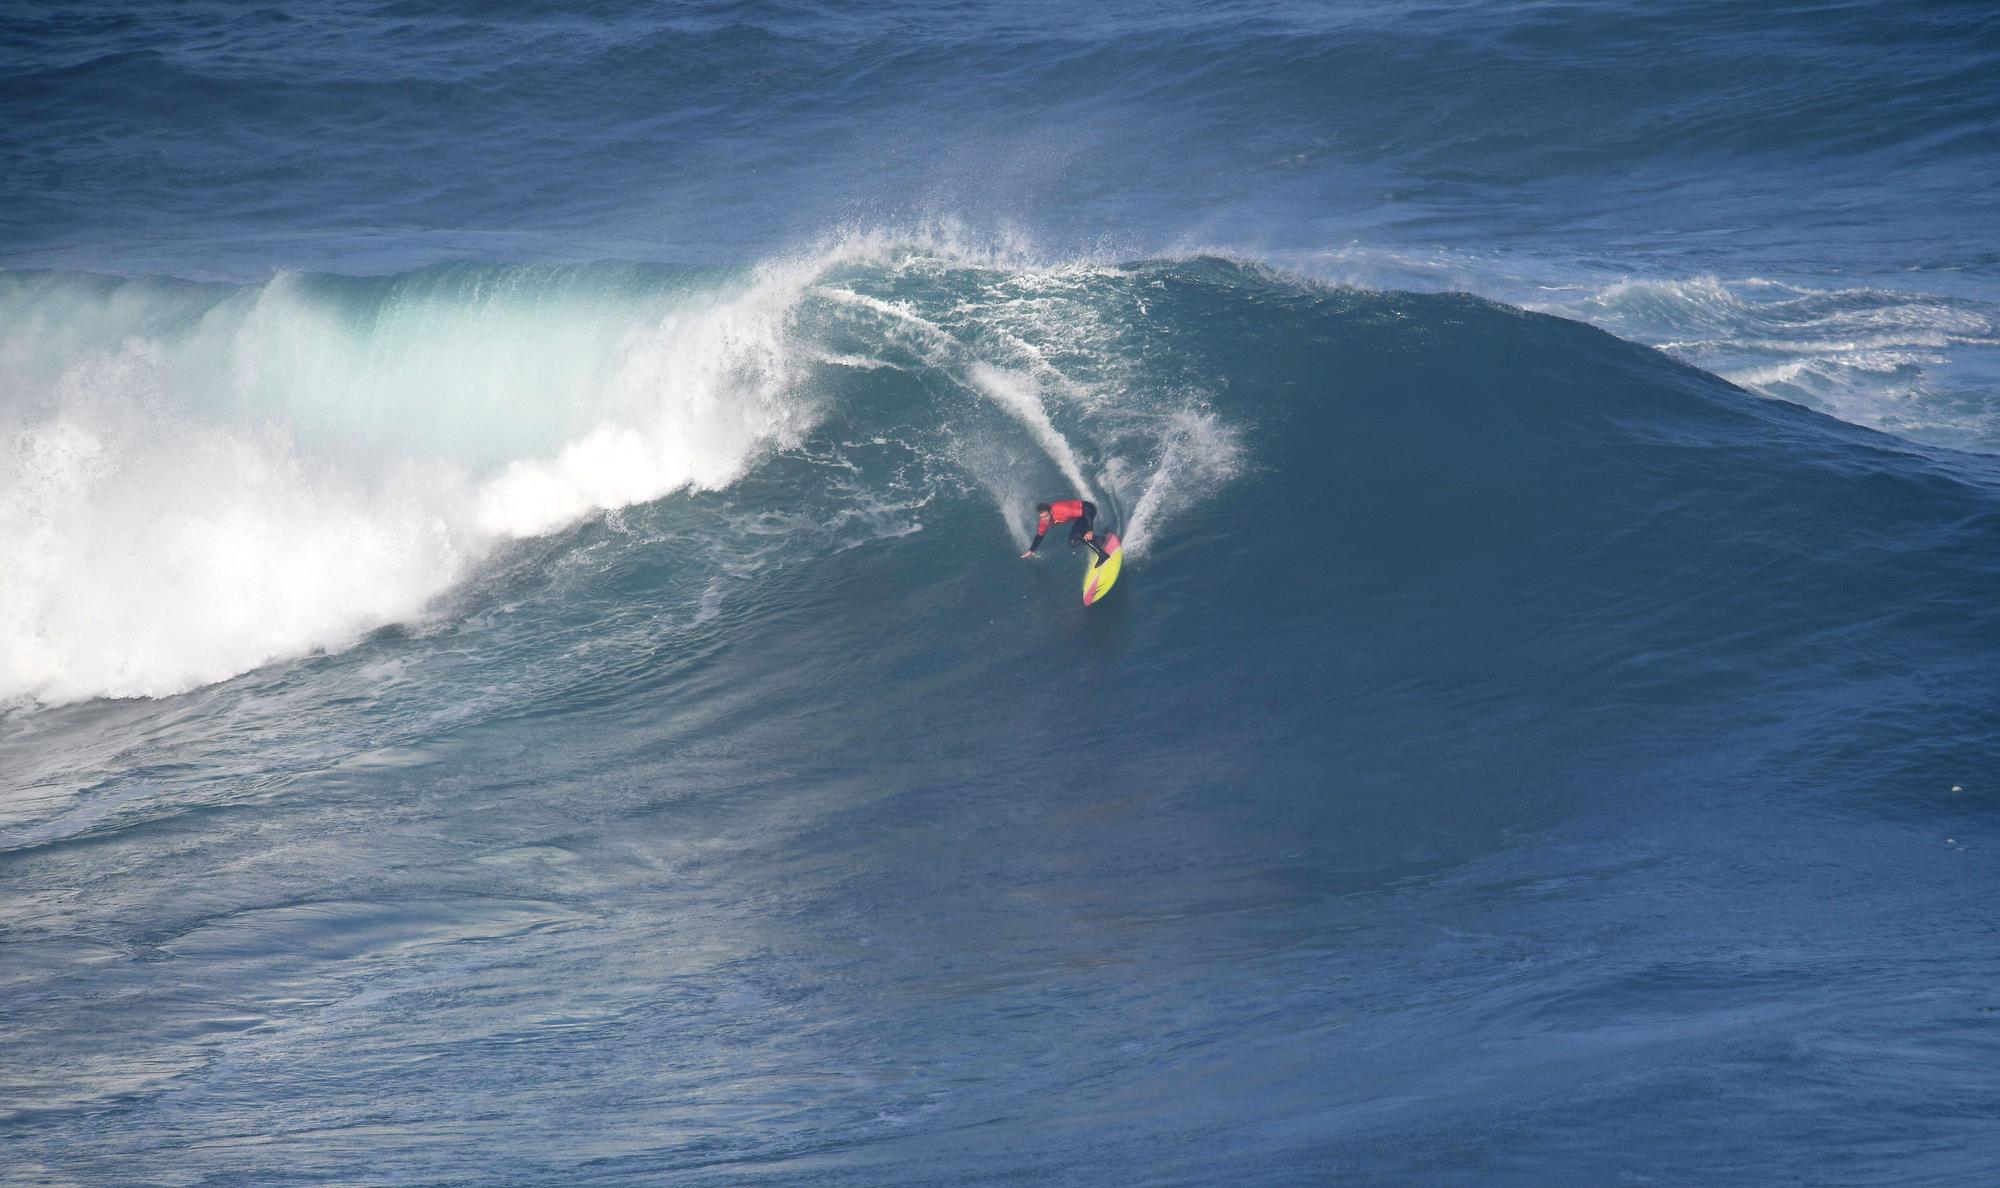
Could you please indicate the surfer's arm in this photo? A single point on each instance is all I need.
(1033, 545)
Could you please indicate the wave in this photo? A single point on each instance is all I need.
(215, 477)
(212, 477)
(1917, 364)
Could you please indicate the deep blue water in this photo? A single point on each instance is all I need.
(515, 666)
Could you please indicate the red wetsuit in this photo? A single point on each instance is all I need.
(1079, 514)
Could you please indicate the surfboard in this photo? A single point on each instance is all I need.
(1097, 579)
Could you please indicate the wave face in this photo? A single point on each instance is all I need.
(650, 758)
(213, 477)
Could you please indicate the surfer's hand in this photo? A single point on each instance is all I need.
(1029, 553)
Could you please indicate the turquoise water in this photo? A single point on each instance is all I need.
(517, 667)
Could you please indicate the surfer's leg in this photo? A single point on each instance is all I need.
(1088, 523)
(1077, 534)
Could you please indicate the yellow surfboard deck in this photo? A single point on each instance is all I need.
(1098, 579)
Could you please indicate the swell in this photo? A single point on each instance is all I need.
(1915, 359)
(1340, 121)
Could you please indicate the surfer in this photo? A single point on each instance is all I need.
(1079, 514)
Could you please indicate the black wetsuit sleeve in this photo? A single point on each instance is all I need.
(1036, 543)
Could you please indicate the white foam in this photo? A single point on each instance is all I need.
(146, 555)
(699, 397)
(189, 497)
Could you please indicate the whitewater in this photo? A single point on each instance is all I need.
(515, 664)
(221, 435)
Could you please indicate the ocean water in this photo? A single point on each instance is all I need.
(515, 666)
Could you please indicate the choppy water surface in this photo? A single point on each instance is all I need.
(517, 668)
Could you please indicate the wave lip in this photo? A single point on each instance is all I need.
(702, 394)
(209, 479)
